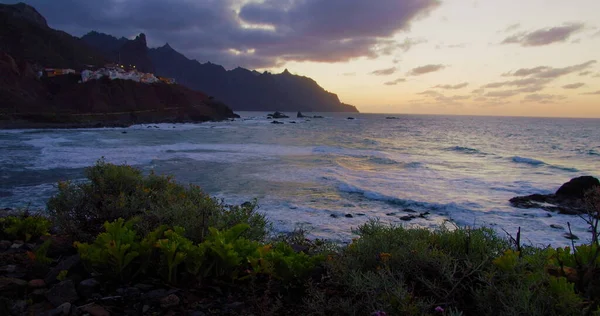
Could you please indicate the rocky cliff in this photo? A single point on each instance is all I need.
(27, 45)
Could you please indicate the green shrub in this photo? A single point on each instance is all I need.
(412, 271)
(115, 191)
(26, 227)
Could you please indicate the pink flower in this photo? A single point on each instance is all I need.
(439, 309)
(379, 313)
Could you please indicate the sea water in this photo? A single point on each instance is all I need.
(314, 172)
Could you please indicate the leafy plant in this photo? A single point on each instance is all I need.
(174, 249)
(112, 250)
(26, 227)
(226, 251)
(40, 254)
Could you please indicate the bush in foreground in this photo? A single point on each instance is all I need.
(121, 191)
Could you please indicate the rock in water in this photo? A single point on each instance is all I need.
(299, 115)
(577, 187)
(569, 199)
(277, 115)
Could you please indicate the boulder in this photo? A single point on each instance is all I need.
(350, 118)
(277, 115)
(66, 264)
(299, 115)
(87, 288)
(567, 200)
(577, 187)
(63, 292)
(169, 301)
(276, 122)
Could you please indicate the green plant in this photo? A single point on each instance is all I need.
(226, 252)
(40, 254)
(62, 275)
(26, 226)
(174, 249)
(113, 250)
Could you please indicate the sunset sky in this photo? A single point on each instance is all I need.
(483, 57)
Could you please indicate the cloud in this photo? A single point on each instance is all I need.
(459, 45)
(430, 93)
(452, 87)
(425, 69)
(574, 85)
(527, 71)
(543, 98)
(384, 72)
(478, 91)
(410, 43)
(592, 93)
(585, 73)
(349, 74)
(502, 94)
(527, 82)
(550, 72)
(544, 36)
(395, 82)
(512, 28)
(597, 34)
(268, 32)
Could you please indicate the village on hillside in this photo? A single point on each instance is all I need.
(112, 71)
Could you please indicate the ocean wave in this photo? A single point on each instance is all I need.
(447, 208)
(382, 161)
(593, 152)
(466, 150)
(535, 162)
(568, 169)
(529, 161)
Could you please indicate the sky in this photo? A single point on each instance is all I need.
(467, 57)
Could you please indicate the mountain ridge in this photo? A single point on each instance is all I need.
(242, 89)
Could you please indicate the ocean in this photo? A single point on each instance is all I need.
(330, 175)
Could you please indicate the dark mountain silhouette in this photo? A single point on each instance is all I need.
(25, 33)
(27, 45)
(240, 88)
(122, 51)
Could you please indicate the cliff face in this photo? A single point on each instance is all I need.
(240, 88)
(27, 44)
(62, 101)
(24, 33)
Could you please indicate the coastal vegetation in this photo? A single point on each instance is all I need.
(127, 243)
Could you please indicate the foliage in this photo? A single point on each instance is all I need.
(26, 226)
(62, 275)
(40, 254)
(121, 191)
(112, 251)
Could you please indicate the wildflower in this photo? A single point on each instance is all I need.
(439, 309)
(385, 256)
(378, 313)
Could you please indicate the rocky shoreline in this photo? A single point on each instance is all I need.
(568, 199)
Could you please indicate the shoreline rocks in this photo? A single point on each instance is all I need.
(568, 199)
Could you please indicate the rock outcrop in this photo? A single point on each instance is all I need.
(568, 199)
